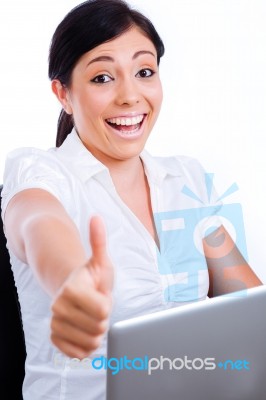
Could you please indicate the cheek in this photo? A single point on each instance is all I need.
(160, 96)
(156, 92)
(98, 103)
(156, 97)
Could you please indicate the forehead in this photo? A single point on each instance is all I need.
(129, 42)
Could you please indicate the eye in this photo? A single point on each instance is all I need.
(145, 73)
(103, 78)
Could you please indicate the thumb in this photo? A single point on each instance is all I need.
(101, 266)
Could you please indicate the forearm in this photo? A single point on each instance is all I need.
(41, 234)
(53, 249)
(232, 279)
(228, 270)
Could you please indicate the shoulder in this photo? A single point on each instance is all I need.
(28, 167)
(29, 161)
(181, 176)
(176, 164)
(31, 153)
(185, 163)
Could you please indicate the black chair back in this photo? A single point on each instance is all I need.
(12, 345)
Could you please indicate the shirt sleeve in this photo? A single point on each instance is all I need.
(28, 168)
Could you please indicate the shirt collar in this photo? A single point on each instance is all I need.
(158, 168)
(87, 166)
(83, 162)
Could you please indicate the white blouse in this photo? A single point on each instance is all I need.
(146, 279)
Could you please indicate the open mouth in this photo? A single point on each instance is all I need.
(126, 125)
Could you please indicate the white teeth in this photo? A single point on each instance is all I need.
(126, 121)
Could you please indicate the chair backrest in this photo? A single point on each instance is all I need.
(12, 345)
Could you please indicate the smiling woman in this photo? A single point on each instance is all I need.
(72, 283)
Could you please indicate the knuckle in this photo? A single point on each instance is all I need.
(59, 309)
(95, 342)
(55, 308)
(68, 292)
(104, 310)
(101, 327)
(55, 340)
(55, 326)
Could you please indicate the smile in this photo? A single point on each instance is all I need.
(126, 121)
(126, 125)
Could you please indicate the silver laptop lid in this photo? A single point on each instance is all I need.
(211, 350)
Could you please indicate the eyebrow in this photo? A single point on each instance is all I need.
(111, 59)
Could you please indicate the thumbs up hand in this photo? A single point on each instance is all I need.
(100, 265)
(81, 309)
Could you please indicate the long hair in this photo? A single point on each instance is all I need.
(86, 26)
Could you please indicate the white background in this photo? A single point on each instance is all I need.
(214, 78)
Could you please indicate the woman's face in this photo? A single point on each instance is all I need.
(115, 96)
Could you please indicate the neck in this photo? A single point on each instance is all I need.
(127, 174)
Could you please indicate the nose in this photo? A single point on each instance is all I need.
(127, 92)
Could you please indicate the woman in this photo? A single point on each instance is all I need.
(103, 64)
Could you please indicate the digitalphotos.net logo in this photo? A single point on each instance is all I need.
(150, 364)
(182, 260)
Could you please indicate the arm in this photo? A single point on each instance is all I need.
(228, 270)
(41, 234)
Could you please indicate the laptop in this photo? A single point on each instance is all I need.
(209, 350)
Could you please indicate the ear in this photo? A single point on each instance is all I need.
(62, 94)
